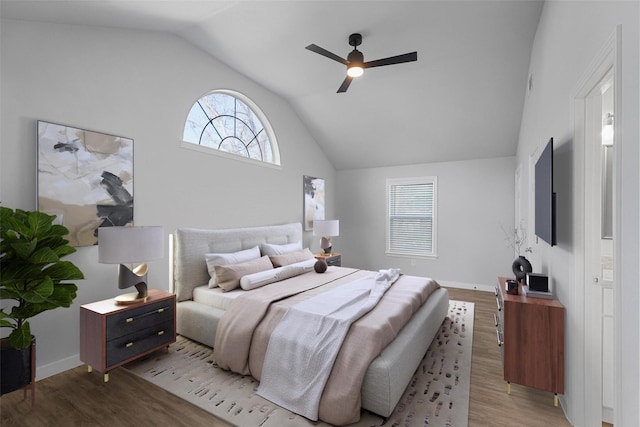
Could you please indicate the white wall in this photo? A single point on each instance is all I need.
(569, 37)
(140, 85)
(474, 198)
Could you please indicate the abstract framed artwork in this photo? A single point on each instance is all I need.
(85, 178)
(313, 196)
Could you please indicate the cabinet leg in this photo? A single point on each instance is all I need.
(508, 387)
(106, 377)
(89, 368)
(555, 399)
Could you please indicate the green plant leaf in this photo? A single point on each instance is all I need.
(38, 290)
(63, 270)
(7, 324)
(7, 293)
(39, 223)
(21, 337)
(27, 310)
(44, 255)
(63, 295)
(4, 323)
(64, 250)
(24, 248)
(18, 271)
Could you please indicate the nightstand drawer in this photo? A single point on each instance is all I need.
(139, 342)
(120, 324)
(334, 260)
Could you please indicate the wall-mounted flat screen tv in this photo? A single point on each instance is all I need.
(545, 198)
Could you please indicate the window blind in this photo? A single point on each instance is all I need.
(411, 216)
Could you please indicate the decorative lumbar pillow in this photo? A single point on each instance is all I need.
(291, 257)
(226, 259)
(256, 280)
(271, 249)
(229, 275)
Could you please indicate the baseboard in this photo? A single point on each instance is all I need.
(58, 366)
(472, 286)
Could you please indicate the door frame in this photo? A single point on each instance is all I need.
(586, 295)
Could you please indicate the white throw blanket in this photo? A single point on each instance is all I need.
(303, 347)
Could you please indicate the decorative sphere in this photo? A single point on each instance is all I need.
(320, 266)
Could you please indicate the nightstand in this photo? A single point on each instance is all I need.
(331, 259)
(112, 335)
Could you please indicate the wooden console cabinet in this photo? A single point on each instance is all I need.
(112, 335)
(531, 338)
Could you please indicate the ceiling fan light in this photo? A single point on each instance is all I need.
(355, 70)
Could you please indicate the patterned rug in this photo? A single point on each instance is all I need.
(438, 394)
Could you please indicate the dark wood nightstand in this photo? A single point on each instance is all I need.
(112, 335)
(331, 259)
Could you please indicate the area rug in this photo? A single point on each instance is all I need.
(438, 394)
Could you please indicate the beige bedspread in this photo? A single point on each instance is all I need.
(243, 332)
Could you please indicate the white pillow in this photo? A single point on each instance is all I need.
(271, 249)
(256, 280)
(226, 259)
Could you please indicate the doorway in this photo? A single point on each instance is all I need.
(597, 110)
(599, 239)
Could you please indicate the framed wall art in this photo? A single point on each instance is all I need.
(313, 196)
(85, 178)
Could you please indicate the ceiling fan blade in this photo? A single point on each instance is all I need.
(345, 84)
(324, 52)
(398, 59)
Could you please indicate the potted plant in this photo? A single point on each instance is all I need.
(33, 279)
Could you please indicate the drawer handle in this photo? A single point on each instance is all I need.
(129, 345)
(160, 333)
(147, 314)
(500, 343)
(495, 319)
(498, 304)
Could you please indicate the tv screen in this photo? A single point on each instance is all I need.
(545, 198)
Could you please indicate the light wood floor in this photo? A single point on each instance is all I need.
(76, 398)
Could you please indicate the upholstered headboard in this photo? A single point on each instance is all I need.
(191, 244)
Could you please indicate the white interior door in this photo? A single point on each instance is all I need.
(599, 244)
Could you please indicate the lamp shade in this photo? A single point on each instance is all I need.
(326, 227)
(128, 245)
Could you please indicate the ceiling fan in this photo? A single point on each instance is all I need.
(355, 60)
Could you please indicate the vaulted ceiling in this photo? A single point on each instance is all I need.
(461, 100)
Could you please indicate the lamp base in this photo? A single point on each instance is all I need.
(137, 278)
(325, 244)
(130, 298)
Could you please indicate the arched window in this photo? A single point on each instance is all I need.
(229, 122)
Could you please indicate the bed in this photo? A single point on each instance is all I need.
(200, 309)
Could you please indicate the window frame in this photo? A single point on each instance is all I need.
(391, 182)
(266, 124)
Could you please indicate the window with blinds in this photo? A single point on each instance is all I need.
(411, 216)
